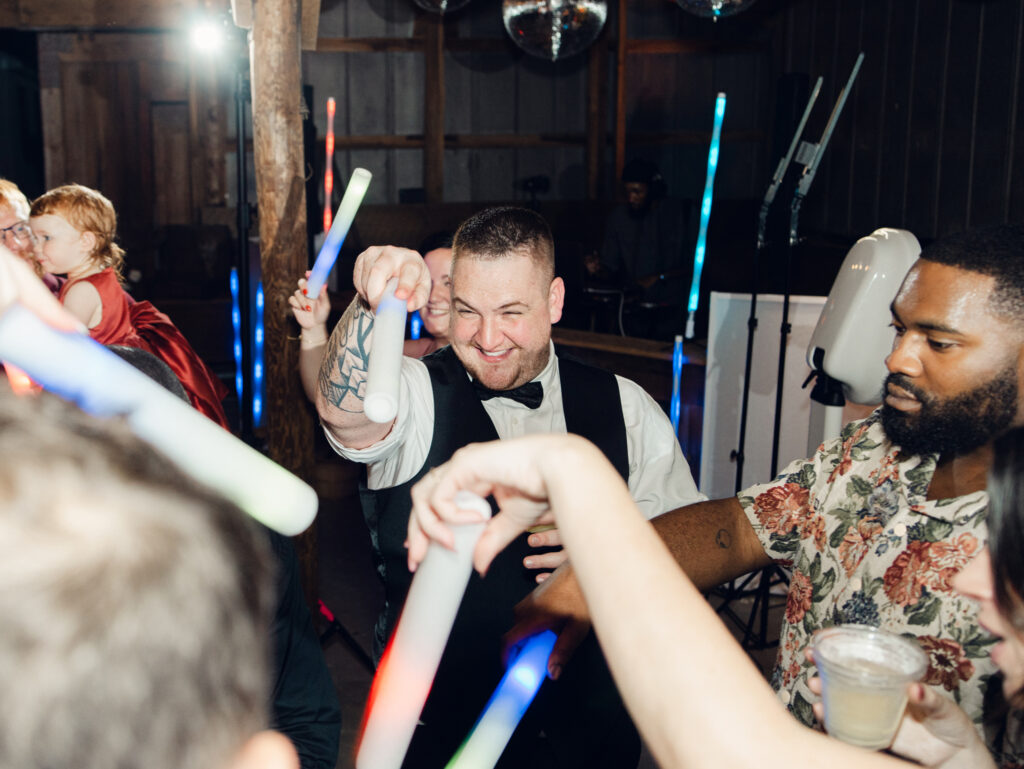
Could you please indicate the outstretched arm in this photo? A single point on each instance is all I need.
(685, 680)
(311, 315)
(341, 382)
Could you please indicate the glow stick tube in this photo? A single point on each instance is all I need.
(510, 700)
(339, 229)
(385, 366)
(705, 213)
(415, 325)
(677, 374)
(83, 371)
(407, 668)
(329, 165)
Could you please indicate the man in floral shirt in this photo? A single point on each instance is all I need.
(876, 524)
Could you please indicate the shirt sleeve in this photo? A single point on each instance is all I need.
(401, 453)
(784, 512)
(659, 476)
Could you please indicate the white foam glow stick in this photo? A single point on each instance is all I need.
(510, 700)
(83, 371)
(347, 208)
(385, 364)
(407, 668)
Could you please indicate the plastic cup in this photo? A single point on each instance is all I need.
(864, 677)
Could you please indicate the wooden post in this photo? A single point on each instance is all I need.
(597, 134)
(433, 108)
(620, 95)
(281, 189)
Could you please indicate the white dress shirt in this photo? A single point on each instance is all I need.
(659, 477)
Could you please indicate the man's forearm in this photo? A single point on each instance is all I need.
(341, 384)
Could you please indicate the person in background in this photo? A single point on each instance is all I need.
(16, 233)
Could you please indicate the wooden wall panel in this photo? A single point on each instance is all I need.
(933, 139)
(172, 199)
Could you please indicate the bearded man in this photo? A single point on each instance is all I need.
(878, 522)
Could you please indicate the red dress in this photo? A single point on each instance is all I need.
(141, 325)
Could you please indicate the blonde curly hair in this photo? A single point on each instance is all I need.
(87, 210)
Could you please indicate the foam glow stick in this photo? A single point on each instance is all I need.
(83, 371)
(678, 359)
(415, 325)
(510, 700)
(407, 668)
(329, 165)
(385, 365)
(705, 213)
(347, 208)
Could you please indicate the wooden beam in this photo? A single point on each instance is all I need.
(620, 96)
(499, 46)
(681, 46)
(433, 108)
(280, 184)
(310, 24)
(597, 87)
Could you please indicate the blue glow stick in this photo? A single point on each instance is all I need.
(415, 325)
(510, 700)
(705, 213)
(257, 360)
(236, 325)
(83, 371)
(677, 374)
(347, 208)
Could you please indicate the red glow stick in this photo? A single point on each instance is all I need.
(329, 168)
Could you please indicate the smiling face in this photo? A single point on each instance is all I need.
(63, 250)
(503, 309)
(437, 314)
(955, 365)
(976, 582)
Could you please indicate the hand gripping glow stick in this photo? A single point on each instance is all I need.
(83, 371)
(510, 700)
(384, 368)
(407, 668)
(678, 359)
(705, 213)
(329, 165)
(339, 229)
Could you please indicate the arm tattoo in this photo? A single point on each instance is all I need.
(343, 372)
(723, 539)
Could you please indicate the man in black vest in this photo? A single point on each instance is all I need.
(499, 378)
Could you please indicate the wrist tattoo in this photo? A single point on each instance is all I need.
(342, 378)
(723, 539)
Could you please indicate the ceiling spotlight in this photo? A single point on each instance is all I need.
(207, 36)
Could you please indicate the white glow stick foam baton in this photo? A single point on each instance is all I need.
(407, 668)
(385, 365)
(510, 700)
(83, 371)
(347, 208)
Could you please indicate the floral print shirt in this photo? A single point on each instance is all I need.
(865, 546)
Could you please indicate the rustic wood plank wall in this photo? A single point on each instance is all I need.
(933, 136)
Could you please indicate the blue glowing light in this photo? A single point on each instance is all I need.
(415, 325)
(236, 325)
(257, 359)
(705, 212)
(678, 359)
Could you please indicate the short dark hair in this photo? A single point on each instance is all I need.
(436, 240)
(495, 233)
(997, 251)
(135, 602)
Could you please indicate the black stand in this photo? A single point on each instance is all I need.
(334, 627)
(242, 253)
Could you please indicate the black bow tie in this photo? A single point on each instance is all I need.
(530, 394)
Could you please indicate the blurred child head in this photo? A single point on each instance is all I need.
(76, 227)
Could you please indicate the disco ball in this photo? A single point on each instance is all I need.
(440, 6)
(553, 29)
(714, 9)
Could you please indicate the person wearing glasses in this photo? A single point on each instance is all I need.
(17, 235)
